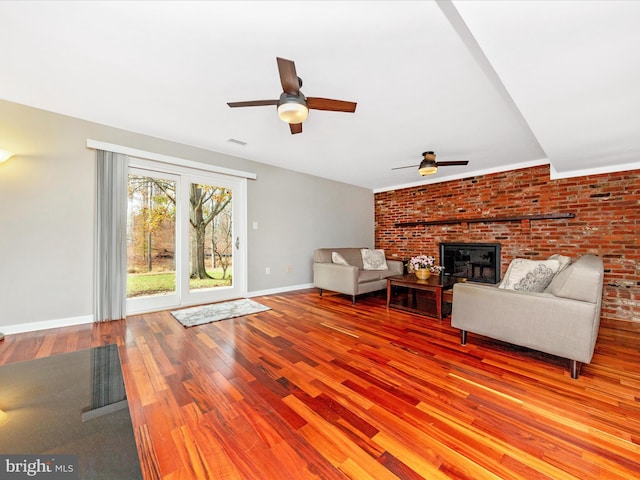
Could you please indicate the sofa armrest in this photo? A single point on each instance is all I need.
(337, 278)
(559, 326)
(396, 267)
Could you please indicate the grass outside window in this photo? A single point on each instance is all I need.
(143, 284)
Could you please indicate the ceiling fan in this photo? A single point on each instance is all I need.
(429, 166)
(293, 106)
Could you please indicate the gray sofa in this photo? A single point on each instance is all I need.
(352, 279)
(562, 320)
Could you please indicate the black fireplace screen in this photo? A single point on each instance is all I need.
(477, 262)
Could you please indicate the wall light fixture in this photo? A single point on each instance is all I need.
(4, 155)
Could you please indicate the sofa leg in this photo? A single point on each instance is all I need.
(353, 299)
(320, 292)
(575, 369)
(463, 337)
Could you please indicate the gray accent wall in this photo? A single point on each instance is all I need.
(47, 204)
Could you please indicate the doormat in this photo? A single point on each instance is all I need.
(190, 317)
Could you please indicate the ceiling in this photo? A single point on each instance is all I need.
(502, 84)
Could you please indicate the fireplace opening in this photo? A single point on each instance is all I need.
(477, 262)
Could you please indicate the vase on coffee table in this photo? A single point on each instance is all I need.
(422, 273)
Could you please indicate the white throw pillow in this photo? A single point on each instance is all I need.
(529, 275)
(339, 259)
(373, 259)
(564, 261)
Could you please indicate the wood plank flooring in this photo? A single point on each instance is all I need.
(318, 388)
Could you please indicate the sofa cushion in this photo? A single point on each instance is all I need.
(564, 261)
(339, 259)
(369, 275)
(529, 275)
(373, 259)
(351, 255)
(582, 280)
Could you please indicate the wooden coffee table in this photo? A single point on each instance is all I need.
(419, 296)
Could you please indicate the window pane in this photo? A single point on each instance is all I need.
(151, 233)
(210, 237)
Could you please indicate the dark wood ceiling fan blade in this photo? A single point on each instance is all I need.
(330, 104)
(253, 103)
(295, 128)
(453, 162)
(288, 76)
(408, 166)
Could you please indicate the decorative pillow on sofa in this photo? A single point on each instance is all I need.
(339, 259)
(373, 259)
(564, 261)
(529, 275)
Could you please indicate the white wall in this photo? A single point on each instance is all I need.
(47, 201)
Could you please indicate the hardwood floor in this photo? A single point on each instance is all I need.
(318, 388)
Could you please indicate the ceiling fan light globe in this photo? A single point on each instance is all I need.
(292, 110)
(427, 167)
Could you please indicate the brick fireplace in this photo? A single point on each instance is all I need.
(606, 223)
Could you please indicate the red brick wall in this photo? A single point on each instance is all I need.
(607, 223)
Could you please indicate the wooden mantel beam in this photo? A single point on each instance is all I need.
(518, 218)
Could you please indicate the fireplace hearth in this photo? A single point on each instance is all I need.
(477, 262)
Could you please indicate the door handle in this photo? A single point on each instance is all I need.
(237, 243)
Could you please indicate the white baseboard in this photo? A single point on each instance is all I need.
(45, 325)
(68, 322)
(273, 291)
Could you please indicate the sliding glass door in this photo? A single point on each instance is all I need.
(212, 240)
(151, 240)
(184, 238)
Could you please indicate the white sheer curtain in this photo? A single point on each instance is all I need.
(110, 284)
